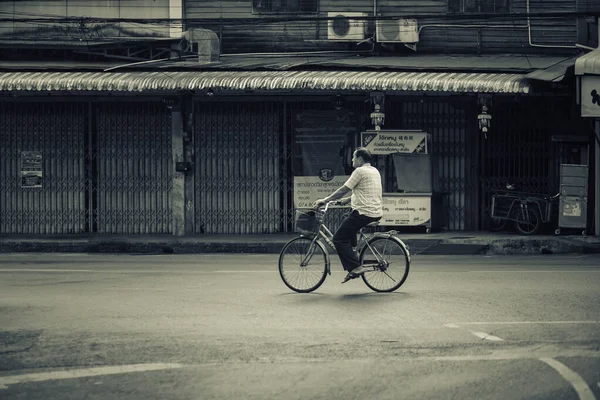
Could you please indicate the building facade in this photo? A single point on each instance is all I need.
(188, 143)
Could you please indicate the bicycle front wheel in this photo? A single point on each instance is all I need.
(303, 265)
(391, 264)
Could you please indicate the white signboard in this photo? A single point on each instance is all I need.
(308, 189)
(389, 142)
(31, 169)
(590, 96)
(406, 210)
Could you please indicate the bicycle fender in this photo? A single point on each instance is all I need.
(326, 252)
(391, 236)
(404, 245)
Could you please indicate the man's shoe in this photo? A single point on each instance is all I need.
(350, 276)
(355, 273)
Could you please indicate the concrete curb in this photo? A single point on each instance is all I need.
(265, 245)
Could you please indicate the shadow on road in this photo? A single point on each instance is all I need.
(366, 297)
(373, 296)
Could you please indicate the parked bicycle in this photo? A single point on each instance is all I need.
(527, 210)
(304, 261)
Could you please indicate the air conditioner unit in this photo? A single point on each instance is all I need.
(343, 28)
(404, 30)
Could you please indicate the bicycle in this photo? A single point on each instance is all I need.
(304, 261)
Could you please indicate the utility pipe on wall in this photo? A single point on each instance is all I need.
(528, 27)
(543, 45)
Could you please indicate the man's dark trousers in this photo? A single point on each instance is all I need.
(345, 238)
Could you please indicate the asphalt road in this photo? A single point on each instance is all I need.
(222, 326)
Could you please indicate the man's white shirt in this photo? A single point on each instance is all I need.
(367, 196)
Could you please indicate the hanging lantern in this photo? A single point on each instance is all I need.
(377, 117)
(485, 120)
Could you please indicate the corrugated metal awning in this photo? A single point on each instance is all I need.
(588, 63)
(142, 81)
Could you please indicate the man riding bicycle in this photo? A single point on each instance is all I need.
(366, 202)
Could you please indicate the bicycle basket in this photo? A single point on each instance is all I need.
(306, 221)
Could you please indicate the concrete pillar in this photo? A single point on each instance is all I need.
(597, 181)
(178, 189)
(190, 176)
(175, 13)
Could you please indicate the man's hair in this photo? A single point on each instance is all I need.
(364, 153)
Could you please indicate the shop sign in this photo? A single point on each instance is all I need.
(308, 189)
(394, 141)
(31, 169)
(406, 210)
(590, 96)
(322, 154)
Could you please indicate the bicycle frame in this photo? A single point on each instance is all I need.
(324, 234)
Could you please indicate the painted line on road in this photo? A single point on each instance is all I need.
(538, 270)
(451, 326)
(43, 270)
(5, 381)
(487, 336)
(578, 383)
(125, 271)
(481, 335)
(523, 322)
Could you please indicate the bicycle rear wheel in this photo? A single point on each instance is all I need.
(391, 264)
(303, 266)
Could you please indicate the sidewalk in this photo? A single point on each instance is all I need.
(443, 243)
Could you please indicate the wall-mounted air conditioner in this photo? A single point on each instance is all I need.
(343, 28)
(404, 30)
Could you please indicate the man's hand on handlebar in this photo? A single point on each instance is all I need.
(322, 202)
(319, 203)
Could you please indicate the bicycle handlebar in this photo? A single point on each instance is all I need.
(333, 202)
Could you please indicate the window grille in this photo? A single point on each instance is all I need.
(478, 6)
(284, 6)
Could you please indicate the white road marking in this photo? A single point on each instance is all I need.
(136, 271)
(487, 336)
(43, 270)
(83, 373)
(504, 355)
(451, 326)
(525, 322)
(237, 272)
(537, 270)
(580, 386)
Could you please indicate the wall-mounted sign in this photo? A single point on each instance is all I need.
(322, 154)
(394, 141)
(31, 169)
(590, 96)
(307, 189)
(406, 210)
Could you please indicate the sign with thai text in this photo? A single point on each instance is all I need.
(31, 169)
(394, 141)
(406, 210)
(322, 154)
(590, 96)
(308, 189)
